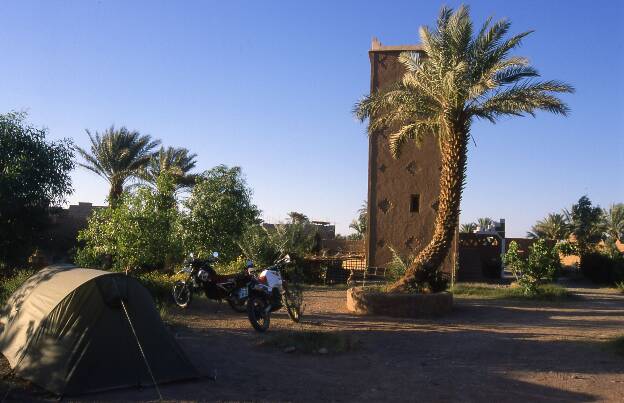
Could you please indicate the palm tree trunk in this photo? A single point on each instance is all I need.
(425, 268)
(116, 190)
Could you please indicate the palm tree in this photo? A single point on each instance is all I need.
(586, 224)
(360, 224)
(468, 228)
(614, 222)
(462, 77)
(116, 155)
(178, 162)
(484, 223)
(555, 226)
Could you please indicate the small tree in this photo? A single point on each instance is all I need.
(34, 175)
(539, 267)
(219, 210)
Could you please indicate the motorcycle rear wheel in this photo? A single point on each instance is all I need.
(237, 305)
(182, 294)
(257, 313)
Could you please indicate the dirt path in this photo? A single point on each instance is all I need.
(484, 351)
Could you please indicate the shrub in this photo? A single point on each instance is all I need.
(603, 268)
(396, 268)
(233, 267)
(9, 284)
(311, 342)
(160, 285)
(539, 267)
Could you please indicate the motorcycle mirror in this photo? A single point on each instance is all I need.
(215, 254)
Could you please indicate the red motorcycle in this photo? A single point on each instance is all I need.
(203, 278)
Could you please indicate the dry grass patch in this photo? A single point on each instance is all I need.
(311, 342)
(547, 292)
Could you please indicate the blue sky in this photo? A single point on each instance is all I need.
(269, 86)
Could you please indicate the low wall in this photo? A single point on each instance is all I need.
(365, 302)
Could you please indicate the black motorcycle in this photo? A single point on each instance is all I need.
(203, 278)
(270, 291)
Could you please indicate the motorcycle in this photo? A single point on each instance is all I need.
(202, 277)
(269, 292)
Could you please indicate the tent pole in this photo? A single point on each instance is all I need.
(149, 369)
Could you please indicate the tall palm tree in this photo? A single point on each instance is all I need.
(468, 228)
(178, 162)
(555, 226)
(462, 77)
(116, 155)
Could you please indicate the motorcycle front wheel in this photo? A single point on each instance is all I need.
(181, 294)
(259, 316)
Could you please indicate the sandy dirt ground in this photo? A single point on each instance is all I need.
(486, 350)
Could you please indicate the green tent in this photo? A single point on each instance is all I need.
(73, 331)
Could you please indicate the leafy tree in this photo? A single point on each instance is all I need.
(614, 222)
(360, 224)
(484, 223)
(117, 155)
(554, 226)
(460, 77)
(541, 265)
(468, 228)
(34, 175)
(178, 162)
(298, 218)
(219, 210)
(141, 232)
(586, 224)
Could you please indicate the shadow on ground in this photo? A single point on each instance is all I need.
(485, 350)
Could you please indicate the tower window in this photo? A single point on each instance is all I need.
(414, 203)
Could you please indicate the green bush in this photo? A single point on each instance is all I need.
(397, 267)
(160, 285)
(8, 285)
(140, 233)
(538, 268)
(603, 268)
